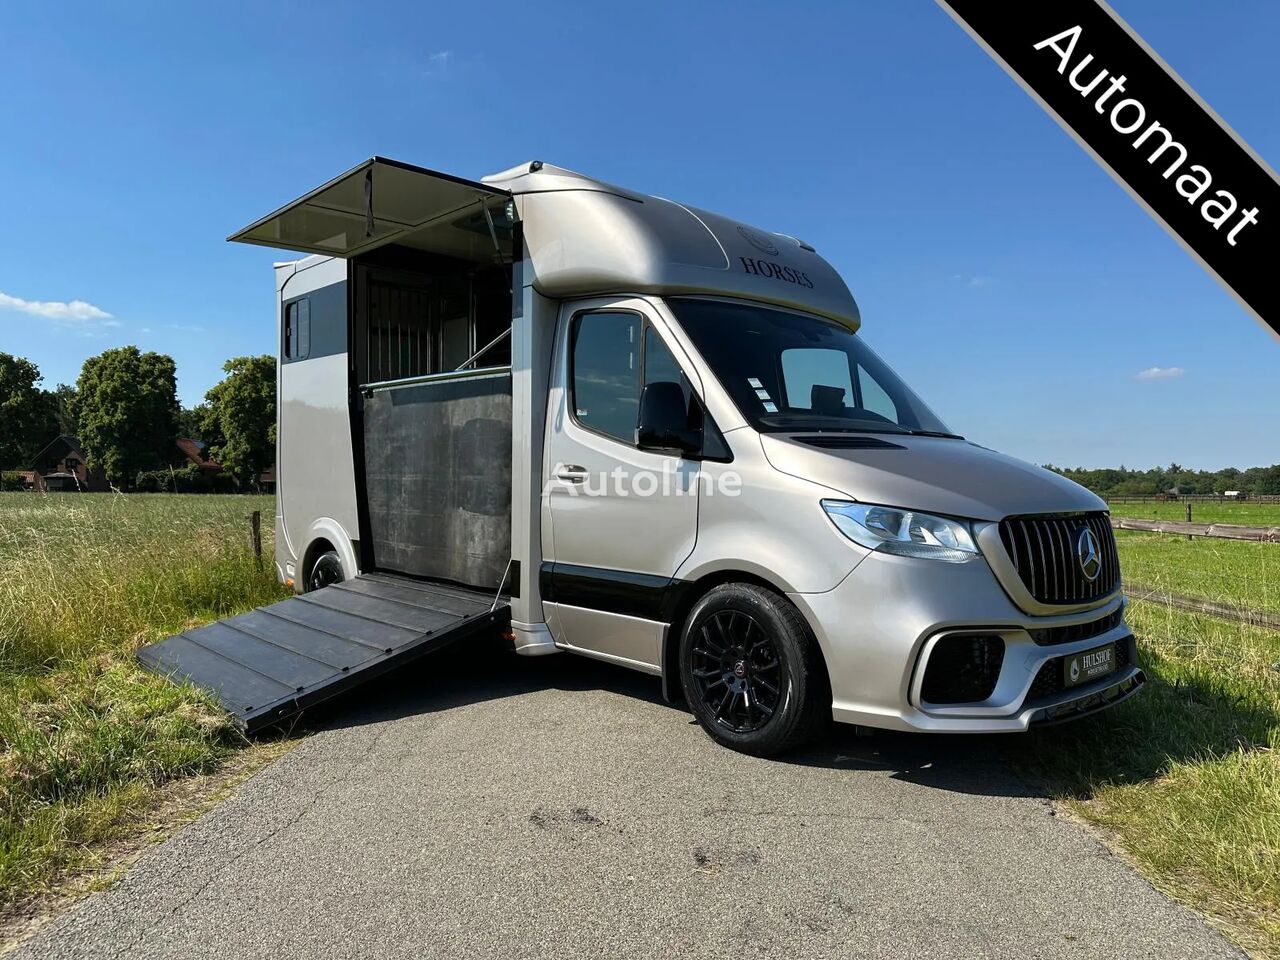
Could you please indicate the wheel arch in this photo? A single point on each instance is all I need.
(684, 596)
(324, 535)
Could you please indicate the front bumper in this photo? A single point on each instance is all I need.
(879, 625)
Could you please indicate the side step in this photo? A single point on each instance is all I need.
(268, 664)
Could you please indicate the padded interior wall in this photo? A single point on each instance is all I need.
(438, 476)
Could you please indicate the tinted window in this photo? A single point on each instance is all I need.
(791, 371)
(660, 366)
(296, 343)
(304, 329)
(816, 380)
(606, 373)
(875, 398)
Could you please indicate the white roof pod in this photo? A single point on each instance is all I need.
(582, 237)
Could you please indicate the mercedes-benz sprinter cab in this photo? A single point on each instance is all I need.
(659, 435)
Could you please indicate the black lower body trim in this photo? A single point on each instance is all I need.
(644, 595)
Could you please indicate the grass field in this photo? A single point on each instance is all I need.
(1185, 777)
(1247, 513)
(86, 739)
(1240, 572)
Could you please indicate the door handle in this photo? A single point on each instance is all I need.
(571, 472)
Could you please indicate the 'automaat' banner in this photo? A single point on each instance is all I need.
(1150, 130)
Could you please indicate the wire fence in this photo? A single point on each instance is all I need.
(1193, 498)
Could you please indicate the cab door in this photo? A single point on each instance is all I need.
(621, 519)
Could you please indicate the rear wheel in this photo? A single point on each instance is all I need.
(325, 571)
(751, 671)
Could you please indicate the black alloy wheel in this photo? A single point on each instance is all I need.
(737, 671)
(751, 670)
(327, 570)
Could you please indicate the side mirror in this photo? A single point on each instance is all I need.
(664, 421)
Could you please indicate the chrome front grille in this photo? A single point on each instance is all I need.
(1045, 552)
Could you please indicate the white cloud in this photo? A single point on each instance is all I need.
(976, 282)
(440, 58)
(1160, 373)
(75, 313)
(187, 327)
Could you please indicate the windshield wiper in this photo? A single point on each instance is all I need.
(833, 425)
(935, 433)
(821, 423)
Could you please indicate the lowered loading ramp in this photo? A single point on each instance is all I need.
(268, 664)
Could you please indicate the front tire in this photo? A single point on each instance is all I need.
(327, 570)
(751, 671)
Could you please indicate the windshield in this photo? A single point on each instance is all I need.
(788, 371)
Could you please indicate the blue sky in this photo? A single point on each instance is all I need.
(998, 268)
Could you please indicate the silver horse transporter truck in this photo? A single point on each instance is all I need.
(607, 423)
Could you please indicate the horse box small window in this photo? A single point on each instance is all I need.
(296, 341)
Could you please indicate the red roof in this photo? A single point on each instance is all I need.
(197, 453)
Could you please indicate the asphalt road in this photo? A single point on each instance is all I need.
(484, 806)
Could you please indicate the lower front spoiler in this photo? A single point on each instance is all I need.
(1059, 708)
(1073, 709)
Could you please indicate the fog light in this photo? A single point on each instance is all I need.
(962, 668)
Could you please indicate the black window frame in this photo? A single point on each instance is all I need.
(575, 323)
(646, 324)
(295, 333)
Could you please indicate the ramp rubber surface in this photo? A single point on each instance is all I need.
(265, 665)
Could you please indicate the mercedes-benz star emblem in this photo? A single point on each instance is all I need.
(758, 240)
(1088, 555)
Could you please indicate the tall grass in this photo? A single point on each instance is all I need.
(1239, 572)
(86, 737)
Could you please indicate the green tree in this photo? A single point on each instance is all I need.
(240, 421)
(62, 399)
(191, 422)
(127, 407)
(1264, 481)
(27, 423)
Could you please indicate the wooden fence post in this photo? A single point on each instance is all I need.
(255, 535)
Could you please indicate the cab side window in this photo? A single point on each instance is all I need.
(605, 372)
(613, 357)
(660, 366)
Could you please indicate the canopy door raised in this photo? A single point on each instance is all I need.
(385, 201)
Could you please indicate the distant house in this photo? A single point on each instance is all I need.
(195, 452)
(61, 467)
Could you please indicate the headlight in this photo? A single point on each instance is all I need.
(907, 533)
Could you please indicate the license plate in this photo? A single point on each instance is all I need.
(1089, 666)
